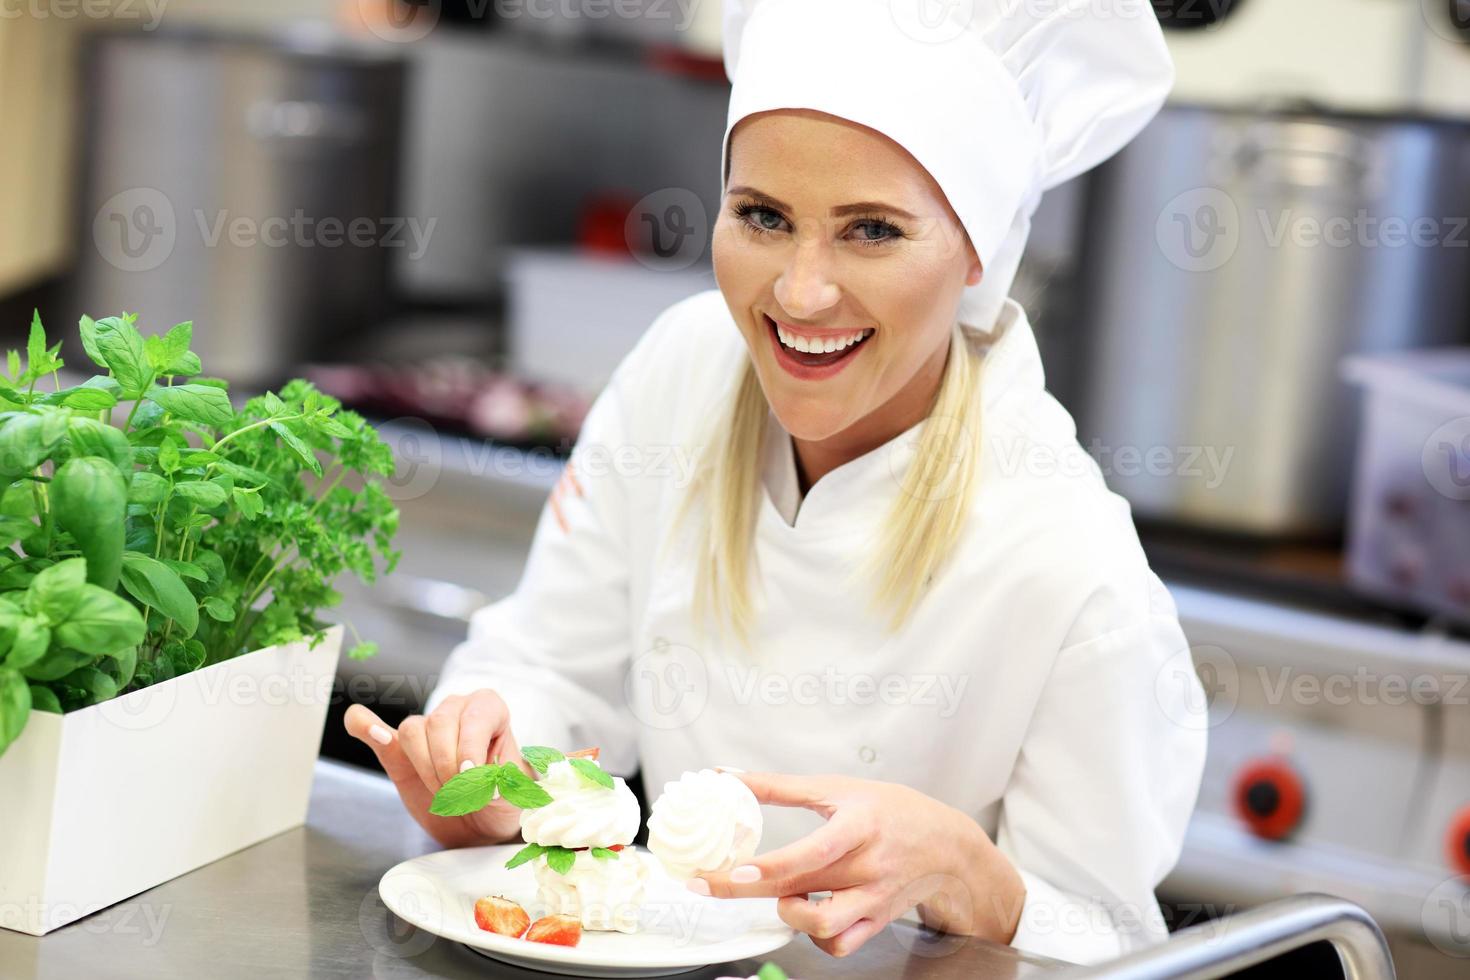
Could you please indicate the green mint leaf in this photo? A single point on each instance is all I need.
(205, 496)
(528, 853)
(194, 403)
(560, 859)
(592, 772)
(154, 584)
(121, 348)
(220, 609)
(363, 651)
(15, 705)
(604, 854)
(88, 329)
(518, 789)
(539, 757)
(770, 971)
(466, 792)
(297, 446)
(36, 345)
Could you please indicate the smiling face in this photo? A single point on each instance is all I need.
(833, 239)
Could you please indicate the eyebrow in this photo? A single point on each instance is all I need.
(857, 207)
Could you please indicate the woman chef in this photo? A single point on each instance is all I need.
(826, 525)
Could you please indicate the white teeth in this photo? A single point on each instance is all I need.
(817, 345)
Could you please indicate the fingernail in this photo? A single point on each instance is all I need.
(698, 886)
(380, 734)
(745, 874)
(466, 764)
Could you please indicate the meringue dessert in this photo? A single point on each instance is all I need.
(577, 843)
(705, 821)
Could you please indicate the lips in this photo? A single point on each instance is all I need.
(810, 366)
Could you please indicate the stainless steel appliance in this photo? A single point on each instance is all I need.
(1231, 259)
(243, 182)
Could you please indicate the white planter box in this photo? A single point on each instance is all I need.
(103, 803)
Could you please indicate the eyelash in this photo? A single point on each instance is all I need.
(745, 209)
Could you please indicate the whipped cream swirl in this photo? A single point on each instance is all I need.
(581, 813)
(704, 821)
(604, 894)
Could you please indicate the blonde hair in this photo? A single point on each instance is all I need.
(922, 526)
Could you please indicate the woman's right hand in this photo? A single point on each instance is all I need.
(463, 731)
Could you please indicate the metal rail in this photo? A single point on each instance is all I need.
(1231, 944)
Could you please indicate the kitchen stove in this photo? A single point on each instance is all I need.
(1339, 755)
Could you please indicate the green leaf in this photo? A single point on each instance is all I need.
(88, 328)
(362, 651)
(540, 756)
(294, 443)
(220, 609)
(518, 789)
(55, 592)
(15, 706)
(44, 699)
(154, 584)
(248, 504)
(96, 685)
(204, 495)
(147, 488)
(121, 667)
(592, 772)
(89, 501)
(32, 640)
(528, 853)
(770, 971)
(560, 859)
(121, 347)
(195, 403)
(90, 437)
(466, 792)
(12, 361)
(25, 441)
(59, 661)
(102, 623)
(82, 399)
(187, 569)
(604, 854)
(36, 344)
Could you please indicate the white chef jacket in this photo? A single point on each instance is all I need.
(1035, 687)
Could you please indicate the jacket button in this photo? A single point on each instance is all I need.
(867, 754)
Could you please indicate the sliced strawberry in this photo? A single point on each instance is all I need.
(585, 754)
(560, 930)
(501, 916)
(616, 847)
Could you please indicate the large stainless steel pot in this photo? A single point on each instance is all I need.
(245, 182)
(1231, 259)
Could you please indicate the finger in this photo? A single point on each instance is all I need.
(851, 939)
(415, 741)
(441, 726)
(482, 719)
(780, 789)
(813, 863)
(362, 724)
(824, 918)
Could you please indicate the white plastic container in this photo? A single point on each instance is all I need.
(106, 802)
(1409, 526)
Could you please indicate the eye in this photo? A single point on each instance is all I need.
(875, 231)
(758, 218)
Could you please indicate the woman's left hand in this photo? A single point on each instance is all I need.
(884, 849)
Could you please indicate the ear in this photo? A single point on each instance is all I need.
(976, 272)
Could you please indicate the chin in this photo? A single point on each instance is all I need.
(808, 422)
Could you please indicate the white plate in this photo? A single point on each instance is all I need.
(680, 930)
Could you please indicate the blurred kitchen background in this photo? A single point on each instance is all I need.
(457, 215)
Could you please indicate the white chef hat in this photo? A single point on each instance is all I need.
(998, 99)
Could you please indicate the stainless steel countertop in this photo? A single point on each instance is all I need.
(305, 904)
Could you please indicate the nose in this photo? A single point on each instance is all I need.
(805, 287)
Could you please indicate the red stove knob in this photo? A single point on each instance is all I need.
(1270, 797)
(1457, 841)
